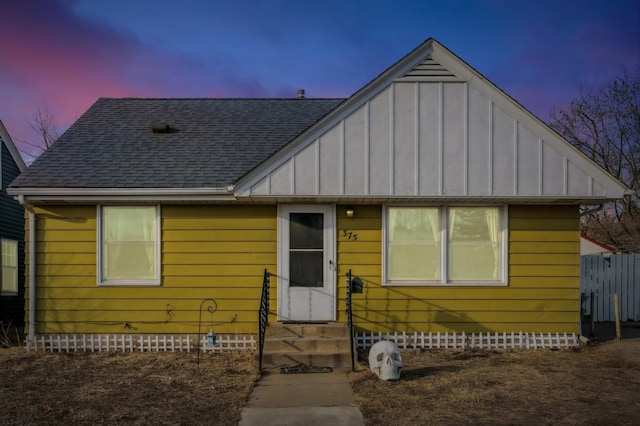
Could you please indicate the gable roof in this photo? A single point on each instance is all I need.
(13, 151)
(428, 128)
(431, 127)
(210, 144)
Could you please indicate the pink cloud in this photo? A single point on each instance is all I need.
(56, 58)
(51, 57)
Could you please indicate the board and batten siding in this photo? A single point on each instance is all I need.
(542, 295)
(417, 139)
(217, 252)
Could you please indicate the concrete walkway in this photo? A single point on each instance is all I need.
(302, 399)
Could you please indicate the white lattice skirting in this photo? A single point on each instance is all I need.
(141, 343)
(471, 341)
(231, 342)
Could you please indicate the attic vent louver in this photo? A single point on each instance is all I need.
(160, 128)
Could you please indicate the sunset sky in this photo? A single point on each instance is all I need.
(64, 54)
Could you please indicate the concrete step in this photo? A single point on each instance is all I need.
(306, 344)
(317, 358)
(320, 345)
(307, 330)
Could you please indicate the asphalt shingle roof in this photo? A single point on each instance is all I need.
(212, 142)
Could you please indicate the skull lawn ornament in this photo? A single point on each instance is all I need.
(385, 360)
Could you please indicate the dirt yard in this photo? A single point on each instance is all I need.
(596, 385)
(593, 385)
(113, 388)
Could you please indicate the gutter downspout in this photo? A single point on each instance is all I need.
(32, 267)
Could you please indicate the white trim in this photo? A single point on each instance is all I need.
(130, 282)
(4, 292)
(128, 195)
(461, 341)
(139, 342)
(120, 191)
(13, 150)
(443, 280)
(314, 295)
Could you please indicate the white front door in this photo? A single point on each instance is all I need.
(306, 263)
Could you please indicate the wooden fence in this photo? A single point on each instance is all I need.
(603, 276)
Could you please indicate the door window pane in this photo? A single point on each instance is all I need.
(306, 230)
(306, 269)
(306, 249)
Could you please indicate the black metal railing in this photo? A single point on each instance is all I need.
(350, 319)
(263, 315)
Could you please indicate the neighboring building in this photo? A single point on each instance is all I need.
(457, 208)
(11, 235)
(590, 246)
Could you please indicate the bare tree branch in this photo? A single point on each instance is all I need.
(606, 127)
(42, 122)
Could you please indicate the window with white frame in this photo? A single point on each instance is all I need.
(128, 245)
(444, 245)
(9, 259)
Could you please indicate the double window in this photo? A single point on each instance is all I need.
(9, 264)
(128, 245)
(444, 245)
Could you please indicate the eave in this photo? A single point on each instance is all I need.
(6, 138)
(423, 200)
(118, 195)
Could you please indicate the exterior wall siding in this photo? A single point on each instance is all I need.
(542, 295)
(401, 142)
(220, 252)
(11, 227)
(217, 252)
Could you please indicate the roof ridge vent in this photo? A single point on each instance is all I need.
(160, 128)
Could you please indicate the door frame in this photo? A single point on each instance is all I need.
(330, 279)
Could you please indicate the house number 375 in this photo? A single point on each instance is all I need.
(349, 235)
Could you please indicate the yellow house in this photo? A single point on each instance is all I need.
(457, 208)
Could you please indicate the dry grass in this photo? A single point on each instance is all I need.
(116, 388)
(592, 385)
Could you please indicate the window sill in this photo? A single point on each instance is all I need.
(9, 293)
(129, 284)
(442, 284)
